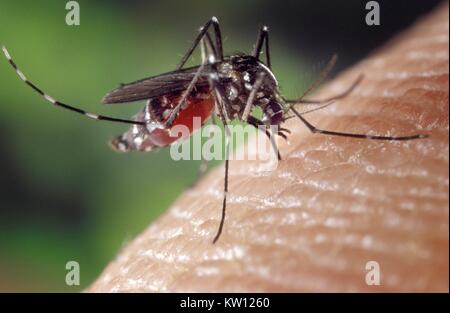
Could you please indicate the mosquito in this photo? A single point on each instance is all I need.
(224, 87)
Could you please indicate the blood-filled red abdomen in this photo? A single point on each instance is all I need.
(199, 107)
(196, 108)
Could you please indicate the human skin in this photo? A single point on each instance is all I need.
(332, 204)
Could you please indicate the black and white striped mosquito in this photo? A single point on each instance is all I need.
(224, 87)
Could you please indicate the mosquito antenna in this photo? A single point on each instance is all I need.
(333, 98)
(61, 104)
(323, 106)
(323, 74)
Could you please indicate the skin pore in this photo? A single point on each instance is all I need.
(332, 205)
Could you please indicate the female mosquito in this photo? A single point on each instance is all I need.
(224, 87)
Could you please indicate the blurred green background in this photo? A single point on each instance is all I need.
(64, 194)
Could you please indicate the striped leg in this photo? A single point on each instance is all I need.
(251, 97)
(316, 130)
(227, 166)
(260, 125)
(203, 31)
(327, 102)
(63, 105)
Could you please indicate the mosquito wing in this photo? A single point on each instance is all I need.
(152, 87)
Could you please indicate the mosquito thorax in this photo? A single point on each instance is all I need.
(243, 72)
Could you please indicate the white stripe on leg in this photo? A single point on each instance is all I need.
(6, 53)
(21, 75)
(49, 98)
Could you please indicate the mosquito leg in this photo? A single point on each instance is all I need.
(316, 130)
(219, 94)
(263, 37)
(61, 104)
(204, 51)
(183, 98)
(203, 30)
(218, 36)
(251, 97)
(269, 64)
(206, 44)
(259, 42)
(219, 50)
(258, 124)
(210, 50)
(225, 186)
(222, 109)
